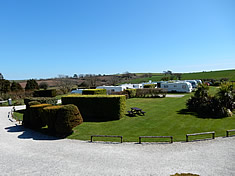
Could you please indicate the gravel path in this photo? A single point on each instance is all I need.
(25, 152)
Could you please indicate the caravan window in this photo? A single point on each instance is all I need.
(165, 86)
(184, 86)
(175, 85)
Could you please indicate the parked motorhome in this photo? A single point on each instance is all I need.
(179, 86)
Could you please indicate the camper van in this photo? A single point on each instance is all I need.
(179, 86)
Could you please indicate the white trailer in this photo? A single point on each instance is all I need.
(179, 86)
(193, 82)
(77, 91)
(111, 89)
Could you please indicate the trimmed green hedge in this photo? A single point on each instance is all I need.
(59, 119)
(34, 118)
(42, 100)
(131, 92)
(62, 119)
(98, 107)
(146, 93)
(150, 93)
(94, 92)
(45, 93)
(152, 86)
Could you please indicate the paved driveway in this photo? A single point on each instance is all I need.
(25, 152)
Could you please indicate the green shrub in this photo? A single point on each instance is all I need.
(94, 92)
(152, 86)
(131, 93)
(42, 100)
(68, 117)
(45, 93)
(59, 119)
(217, 106)
(49, 116)
(26, 116)
(98, 107)
(150, 93)
(36, 116)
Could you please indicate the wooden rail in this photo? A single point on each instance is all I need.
(156, 137)
(105, 136)
(194, 134)
(227, 132)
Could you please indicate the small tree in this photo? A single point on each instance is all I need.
(226, 96)
(16, 87)
(1, 76)
(75, 76)
(5, 86)
(43, 85)
(31, 85)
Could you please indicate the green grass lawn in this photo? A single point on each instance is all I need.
(163, 118)
(18, 115)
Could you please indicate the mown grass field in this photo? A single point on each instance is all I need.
(163, 118)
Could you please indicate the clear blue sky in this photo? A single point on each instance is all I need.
(45, 38)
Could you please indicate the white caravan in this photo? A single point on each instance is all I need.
(111, 89)
(77, 91)
(193, 82)
(179, 86)
(120, 88)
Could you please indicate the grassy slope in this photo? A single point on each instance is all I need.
(162, 118)
(211, 75)
(199, 75)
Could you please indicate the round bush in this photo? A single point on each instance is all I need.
(68, 117)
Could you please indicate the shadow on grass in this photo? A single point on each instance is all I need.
(30, 134)
(187, 112)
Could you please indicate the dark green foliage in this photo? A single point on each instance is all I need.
(31, 85)
(26, 116)
(152, 86)
(59, 119)
(98, 107)
(206, 105)
(94, 92)
(45, 93)
(36, 116)
(50, 115)
(68, 117)
(16, 87)
(226, 95)
(1, 76)
(5, 86)
(42, 100)
(43, 85)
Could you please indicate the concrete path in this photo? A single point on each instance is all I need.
(25, 152)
